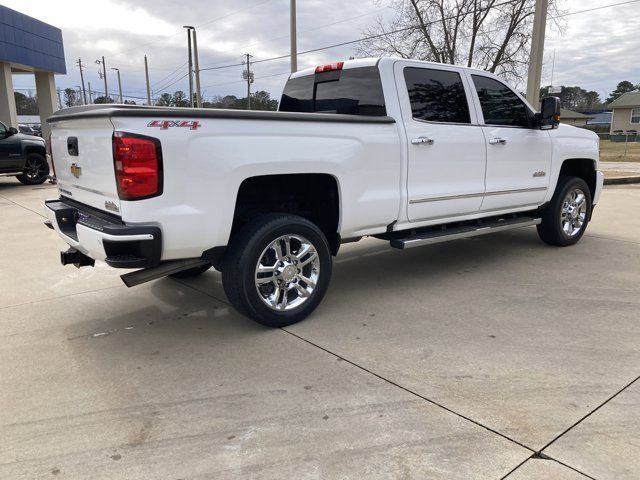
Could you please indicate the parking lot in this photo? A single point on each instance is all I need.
(483, 358)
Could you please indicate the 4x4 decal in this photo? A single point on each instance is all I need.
(165, 124)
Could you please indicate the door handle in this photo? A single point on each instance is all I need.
(497, 141)
(421, 140)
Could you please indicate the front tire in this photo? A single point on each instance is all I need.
(36, 170)
(565, 219)
(277, 269)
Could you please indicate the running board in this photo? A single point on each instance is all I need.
(466, 231)
(138, 277)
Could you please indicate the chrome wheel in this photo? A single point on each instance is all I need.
(34, 168)
(574, 212)
(287, 272)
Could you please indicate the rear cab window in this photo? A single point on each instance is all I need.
(351, 91)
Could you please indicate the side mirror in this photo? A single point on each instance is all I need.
(549, 116)
(13, 130)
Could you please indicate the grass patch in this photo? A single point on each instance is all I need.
(614, 151)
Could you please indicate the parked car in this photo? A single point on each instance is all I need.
(23, 156)
(406, 151)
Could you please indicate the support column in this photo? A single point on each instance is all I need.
(8, 114)
(537, 51)
(47, 99)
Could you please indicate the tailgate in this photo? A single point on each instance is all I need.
(82, 152)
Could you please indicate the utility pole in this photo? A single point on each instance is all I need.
(59, 100)
(294, 39)
(119, 83)
(90, 97)
(146, 74)
(103, 75)
(197, 66)
(189, 28)
(84, 93)
(248, 76)
(537, 50)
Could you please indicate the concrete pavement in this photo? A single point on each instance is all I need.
(495, 357)
(630, 168)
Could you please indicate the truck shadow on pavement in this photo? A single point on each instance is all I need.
(374, 268)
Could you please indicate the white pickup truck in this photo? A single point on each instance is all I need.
(406, 151)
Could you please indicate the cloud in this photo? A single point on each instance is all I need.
(596, 51)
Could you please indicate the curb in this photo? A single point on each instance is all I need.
(621, 180)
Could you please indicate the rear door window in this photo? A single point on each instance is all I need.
(436, 95)
(354, 91)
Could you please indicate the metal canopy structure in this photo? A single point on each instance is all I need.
(29, 46)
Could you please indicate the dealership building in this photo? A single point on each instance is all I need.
(31, 47)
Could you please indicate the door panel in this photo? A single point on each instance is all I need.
(446, 152)
(517, 170)
(518, 156)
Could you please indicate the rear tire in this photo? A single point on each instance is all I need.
(277, 269)
(36, 170)
(565, 219)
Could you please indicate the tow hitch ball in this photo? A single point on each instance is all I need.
(74, 257)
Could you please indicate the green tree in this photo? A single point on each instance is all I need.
(164, 100)
(70, 97)
(179, 99)
(261, 100)
(622, 88)
(25, 105)
(575, 98)
(103, 99)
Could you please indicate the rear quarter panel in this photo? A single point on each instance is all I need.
(204, 168)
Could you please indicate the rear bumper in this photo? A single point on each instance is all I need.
(105, 237)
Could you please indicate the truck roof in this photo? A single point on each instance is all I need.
(374, 61)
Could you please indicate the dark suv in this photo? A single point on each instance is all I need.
(22, 156)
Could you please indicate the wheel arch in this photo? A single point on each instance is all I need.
(584, 168)
(30, 148)
(314, 196)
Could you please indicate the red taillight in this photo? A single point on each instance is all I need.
(138, 165)
(53, 165)
(329, 67)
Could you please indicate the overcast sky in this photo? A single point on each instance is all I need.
(596, 51)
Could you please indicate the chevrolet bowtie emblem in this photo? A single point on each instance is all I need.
(76, 171)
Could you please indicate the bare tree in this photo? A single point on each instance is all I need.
(492, 35)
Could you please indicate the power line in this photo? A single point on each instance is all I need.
(171, 76)
(592, 9)
(319, 27)
(371, 37)
(173, 83)
(404, 29)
